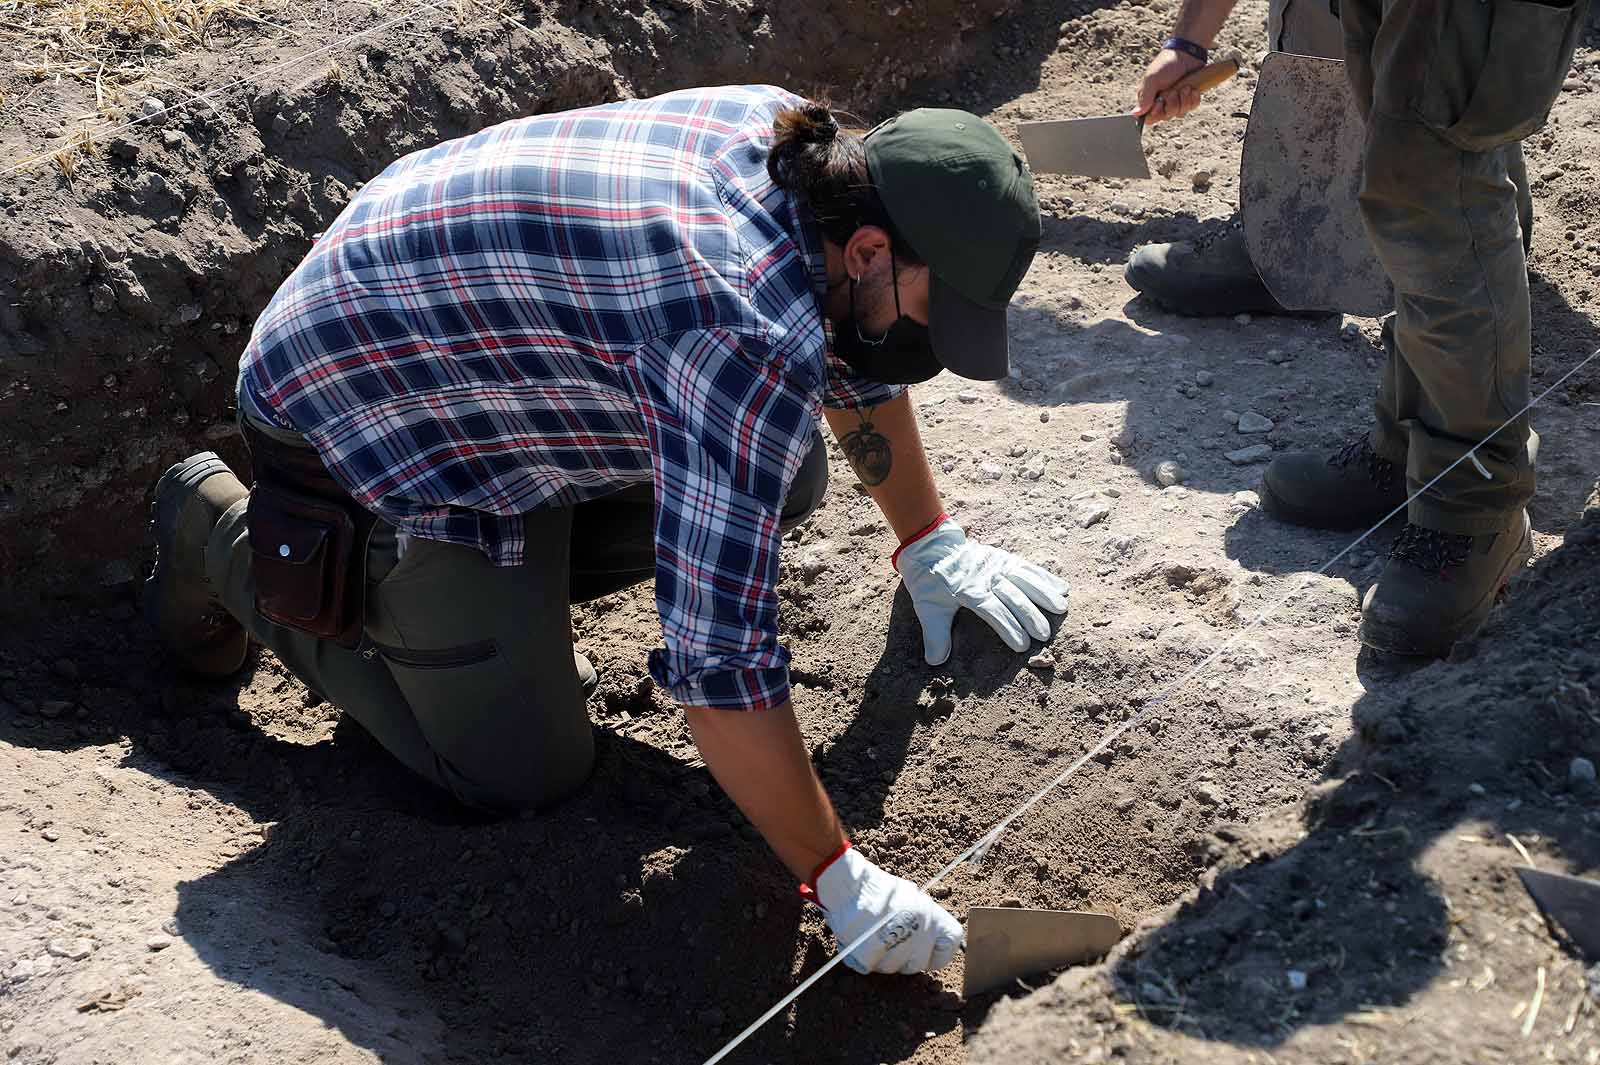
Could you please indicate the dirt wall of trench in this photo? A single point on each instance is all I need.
(128, 292)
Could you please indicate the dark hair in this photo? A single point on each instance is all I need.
(813, 156)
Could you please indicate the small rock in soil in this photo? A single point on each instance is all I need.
(1169, 473)
(1207, 795)
(1033, 470)
(152, 110)
(50, 835)
(70, 949)
(967, 397)
(1246, 455)
(1251, 422)
(1044, 416)
(988, 471)
(1092, 514)
(1581, 775)
(1242, 319)
(155, 943)
(1205, 378)
(1042, 660)
(1246, 499)
(812, 566)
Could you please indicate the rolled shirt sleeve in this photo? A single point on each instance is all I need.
(845, 391)
(728, 431)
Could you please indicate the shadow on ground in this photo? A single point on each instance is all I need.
(425, 932)
(1504, 714)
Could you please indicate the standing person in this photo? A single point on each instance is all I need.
(553, 359)
(1447, 90)
(1212, 274)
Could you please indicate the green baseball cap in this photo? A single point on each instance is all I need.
(963, 198)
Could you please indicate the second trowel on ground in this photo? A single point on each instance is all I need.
(1005, 944)
(1104, 147)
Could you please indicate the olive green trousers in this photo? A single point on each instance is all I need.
(1448, 89)
(466, 673)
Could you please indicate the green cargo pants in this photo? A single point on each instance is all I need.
(1448, 88)
(467, 673)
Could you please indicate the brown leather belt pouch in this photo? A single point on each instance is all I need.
(309, 539)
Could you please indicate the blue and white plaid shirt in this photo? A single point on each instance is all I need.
(561, 306)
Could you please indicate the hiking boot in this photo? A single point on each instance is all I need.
(1438, 587)
(1353, 488)
(178, 599)
(1209, 276)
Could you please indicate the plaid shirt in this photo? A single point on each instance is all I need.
(561, 306)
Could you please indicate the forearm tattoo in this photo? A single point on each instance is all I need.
(868, 451)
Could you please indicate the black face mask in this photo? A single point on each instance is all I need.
(902, 356)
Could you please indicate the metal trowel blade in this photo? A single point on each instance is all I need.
(1093, 147)
(1571, 902)
(1004, 943)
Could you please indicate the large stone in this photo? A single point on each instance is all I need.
(1254, 453)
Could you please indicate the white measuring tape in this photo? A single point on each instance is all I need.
(981, 846)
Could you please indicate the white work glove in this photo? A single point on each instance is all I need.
(944, 571)
(920, 937)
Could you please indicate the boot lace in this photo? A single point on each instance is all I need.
(1379, 470)
(1429, 550)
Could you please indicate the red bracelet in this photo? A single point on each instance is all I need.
(808, 890)
(894, 559)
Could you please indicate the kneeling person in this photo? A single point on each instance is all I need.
(569, 353)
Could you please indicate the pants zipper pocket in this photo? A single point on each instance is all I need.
(468, 654)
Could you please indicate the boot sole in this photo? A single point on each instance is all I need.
(1275, 505)
(172, 490)
(1220, 307)
(1395, 642)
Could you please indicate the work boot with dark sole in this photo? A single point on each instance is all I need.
(1353, 488)
(1209, 276)
(1438, 587)
(178, 599)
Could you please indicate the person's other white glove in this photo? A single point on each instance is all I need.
(944, 571)
(921, 936)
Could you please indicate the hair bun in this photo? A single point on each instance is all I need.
(820, 126)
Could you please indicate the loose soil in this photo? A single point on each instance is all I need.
(232, 872)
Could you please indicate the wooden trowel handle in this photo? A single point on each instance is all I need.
(1208, 77)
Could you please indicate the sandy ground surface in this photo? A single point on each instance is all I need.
(1312, 851)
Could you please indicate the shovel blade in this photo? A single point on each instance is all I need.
(1570, 902)
(1092, 147)
(1298, 183)
(1004, 944)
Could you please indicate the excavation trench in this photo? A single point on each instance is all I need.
(128, 287)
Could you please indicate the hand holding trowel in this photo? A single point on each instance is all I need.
(1110, 146)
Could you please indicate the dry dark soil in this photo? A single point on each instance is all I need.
(1312, 851)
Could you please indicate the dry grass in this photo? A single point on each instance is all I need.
(79, 146)
(111, 43)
